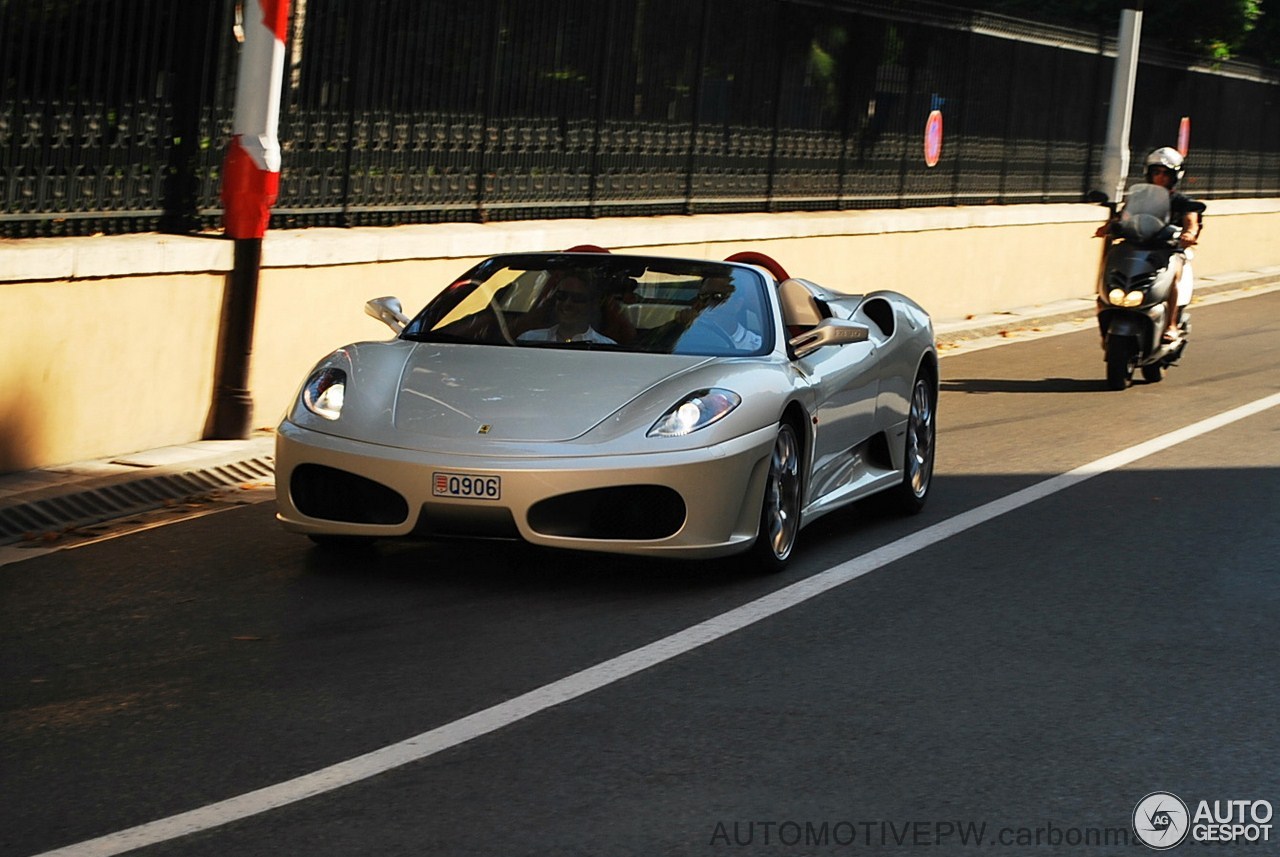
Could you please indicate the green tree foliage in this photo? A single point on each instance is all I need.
(1263, 41)
(1210, 29)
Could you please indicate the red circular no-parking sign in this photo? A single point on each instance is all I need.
(933, 138)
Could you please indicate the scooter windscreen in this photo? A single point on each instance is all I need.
(1145, 215)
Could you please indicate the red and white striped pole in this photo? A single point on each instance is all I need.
(251, 170)
(250, 184)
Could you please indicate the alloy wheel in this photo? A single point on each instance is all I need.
(921, 434)
(780, 515)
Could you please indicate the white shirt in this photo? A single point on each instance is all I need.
(552, 334)
(746, 340)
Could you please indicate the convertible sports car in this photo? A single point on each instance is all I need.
(625, 404)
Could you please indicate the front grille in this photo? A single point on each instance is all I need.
(625, 512)
(336, 495)
(473, 520)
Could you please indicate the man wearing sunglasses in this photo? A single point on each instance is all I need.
(576, 307)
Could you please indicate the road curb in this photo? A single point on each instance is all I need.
(80, 501)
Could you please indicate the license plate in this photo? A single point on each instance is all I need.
(470, 486)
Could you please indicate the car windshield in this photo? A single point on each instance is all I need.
(596, 301)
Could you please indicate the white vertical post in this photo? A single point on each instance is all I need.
(1115, 151)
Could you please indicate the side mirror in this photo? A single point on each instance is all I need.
(388, 311)
(830, 331)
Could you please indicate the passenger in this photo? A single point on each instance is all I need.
(713, 321)
(577, 307)
(718, 304)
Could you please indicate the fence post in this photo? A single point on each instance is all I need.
(699, 74)
(250, 184)
(782, 26)
(604, 91)
(958, 153)
(490, 109)
(193, 30)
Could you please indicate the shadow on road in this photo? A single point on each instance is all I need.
(507, 566)
(1024, 385)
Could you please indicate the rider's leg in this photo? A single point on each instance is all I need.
(1187, 282)
(1175, 301)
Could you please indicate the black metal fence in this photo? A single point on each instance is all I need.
(114, 114)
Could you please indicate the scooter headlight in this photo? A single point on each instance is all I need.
(1119, 297)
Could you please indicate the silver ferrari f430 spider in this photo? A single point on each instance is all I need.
(616, 403)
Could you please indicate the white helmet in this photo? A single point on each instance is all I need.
(1166, 157)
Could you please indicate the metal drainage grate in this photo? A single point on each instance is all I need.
(92, 506)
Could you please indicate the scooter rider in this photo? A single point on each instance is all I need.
(1164, 167)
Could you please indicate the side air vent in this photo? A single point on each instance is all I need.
(880, 313)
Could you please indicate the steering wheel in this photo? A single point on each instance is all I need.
(699, 334)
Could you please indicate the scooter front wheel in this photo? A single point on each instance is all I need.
(1122, 354)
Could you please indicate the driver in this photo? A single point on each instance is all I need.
(1165, 168)
(577, 309)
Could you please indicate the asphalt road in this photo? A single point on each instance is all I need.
(1026, 679)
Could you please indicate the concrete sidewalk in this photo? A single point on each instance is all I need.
(42, 504)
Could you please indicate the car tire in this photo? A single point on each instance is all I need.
(920, 447)
(780, 509)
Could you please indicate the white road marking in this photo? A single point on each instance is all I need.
(603, 674)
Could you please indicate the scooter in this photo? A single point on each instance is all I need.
(1134, 288)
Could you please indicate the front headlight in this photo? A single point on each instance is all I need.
(1119, 297)
(324, 392)
(696, 411)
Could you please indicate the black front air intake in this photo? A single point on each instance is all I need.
(624, 512)
(336, 495)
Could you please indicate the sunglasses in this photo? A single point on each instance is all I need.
(712, 296)
(576, 297)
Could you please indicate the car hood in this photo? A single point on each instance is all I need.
(406, 394)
